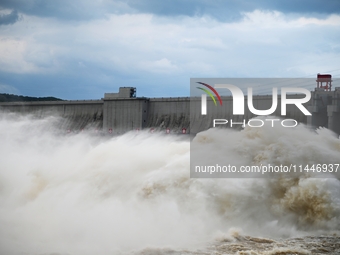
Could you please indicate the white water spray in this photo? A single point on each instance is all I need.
(85, 194)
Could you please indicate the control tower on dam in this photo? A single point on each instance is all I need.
(325, 104)
(124, 111)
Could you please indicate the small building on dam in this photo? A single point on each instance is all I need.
(124, 111)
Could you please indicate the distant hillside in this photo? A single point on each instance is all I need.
(15, 98)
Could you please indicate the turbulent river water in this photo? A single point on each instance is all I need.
(132, 194)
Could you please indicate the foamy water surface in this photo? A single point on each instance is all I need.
(132, 194)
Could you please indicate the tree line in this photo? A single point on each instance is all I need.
(16, 98)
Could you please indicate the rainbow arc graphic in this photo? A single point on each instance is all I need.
(209, 93)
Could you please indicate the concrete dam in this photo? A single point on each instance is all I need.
(121, 112)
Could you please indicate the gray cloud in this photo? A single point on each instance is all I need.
(80, 49)
(233, 7)
(231, 10)
(6, 19)
(67, 10)
(82, 60)
(223, 10)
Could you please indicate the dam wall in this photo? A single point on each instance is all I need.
(117, 114)
(74, 115)
(325, 109)
(172, 113)
(121, 115)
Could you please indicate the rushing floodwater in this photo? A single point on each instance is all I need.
(86, 194)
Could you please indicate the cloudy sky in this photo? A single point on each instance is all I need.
(80, 49)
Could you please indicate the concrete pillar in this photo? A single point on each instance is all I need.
(122, 115)
(333, 112)
(318, 109)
